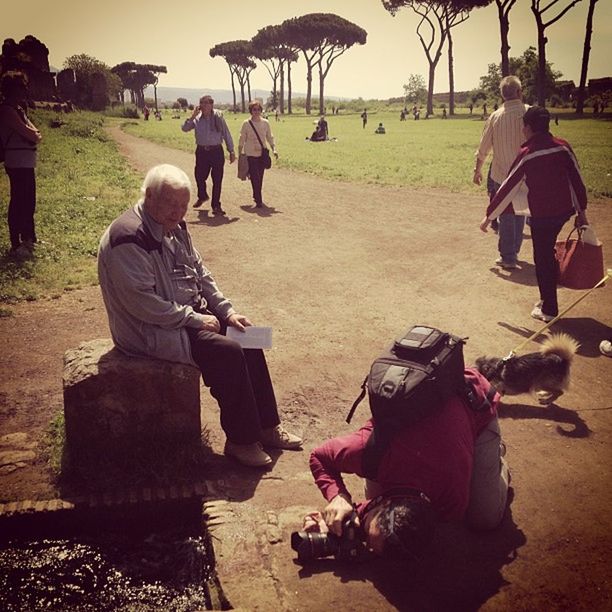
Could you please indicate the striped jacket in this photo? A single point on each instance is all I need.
(544, 181)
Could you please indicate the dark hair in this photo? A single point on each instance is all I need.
(407, 526)
(537, 118)
(11, 81)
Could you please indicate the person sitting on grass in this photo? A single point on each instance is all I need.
(380, 129)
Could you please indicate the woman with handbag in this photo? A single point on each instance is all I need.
(253, 134)
(19, 139)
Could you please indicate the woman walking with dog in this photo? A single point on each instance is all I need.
(544, 183)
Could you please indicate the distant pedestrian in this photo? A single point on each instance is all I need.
(210, 132)
(484, 111)
(19, 138)
(254, 133)
(364, 117)
(146, 112)
(444, 112)
(471, 107)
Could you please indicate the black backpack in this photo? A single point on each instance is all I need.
(413, 378)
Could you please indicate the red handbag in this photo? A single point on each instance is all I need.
(581, 265)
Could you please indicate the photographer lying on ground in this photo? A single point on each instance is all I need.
(446, 467)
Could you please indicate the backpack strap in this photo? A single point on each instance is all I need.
(358, 400)
(475, 404)
(377, 445)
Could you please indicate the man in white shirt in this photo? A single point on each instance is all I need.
(503, 134)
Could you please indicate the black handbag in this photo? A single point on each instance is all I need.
(265, 153)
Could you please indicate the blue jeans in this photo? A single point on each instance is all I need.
(510, 229)
(510, 236)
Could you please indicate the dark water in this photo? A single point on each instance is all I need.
(108, 572)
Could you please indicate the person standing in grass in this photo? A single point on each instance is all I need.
(19, 138)
(210, 133)
(253, 136)
(503, 134)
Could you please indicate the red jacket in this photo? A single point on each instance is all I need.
(434, 455)
(544, 181)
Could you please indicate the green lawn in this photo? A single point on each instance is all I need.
(418, 154)
(82, 184)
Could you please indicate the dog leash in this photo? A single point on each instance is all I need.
(561, 314)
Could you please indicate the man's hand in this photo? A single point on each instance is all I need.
(581, 219)
(477, 176)
(211, 323)
(313, 522)
(238, 321)
(484, 224)
(196, 112)
(336, 512)
(232, 157)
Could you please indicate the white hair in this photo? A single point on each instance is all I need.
(509, 87)
(164, 174)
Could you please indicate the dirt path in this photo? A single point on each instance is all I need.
(338, 270)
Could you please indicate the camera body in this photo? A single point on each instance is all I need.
(349, 546)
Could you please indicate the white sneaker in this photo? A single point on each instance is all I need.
(537, 313)
(251, 455)
(279, 437)
(507, 265)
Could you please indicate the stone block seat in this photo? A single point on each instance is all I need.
(113, 401)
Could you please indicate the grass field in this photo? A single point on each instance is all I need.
(82, 184)
(419, 154)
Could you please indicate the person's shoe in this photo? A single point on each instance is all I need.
(251, 455)
(507, 265)
(217, 210)
(605, 348)
(200, 201)
(21, 252)
(279, 437)
(537, 313)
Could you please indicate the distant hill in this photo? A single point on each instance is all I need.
(220, 96)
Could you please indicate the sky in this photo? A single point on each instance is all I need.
(179, 35)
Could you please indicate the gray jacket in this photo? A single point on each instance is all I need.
(154, 287)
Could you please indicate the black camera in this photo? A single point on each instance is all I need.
(314, 545)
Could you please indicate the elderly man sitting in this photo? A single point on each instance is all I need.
(162, 302)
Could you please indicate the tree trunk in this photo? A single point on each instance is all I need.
(504, 29)
(289, 88)
(235, 108)
(321, 88)
(282, 88)
(430, 90)
(248, 80)
(585, 58)
(541, 76)
(451, 72)
(308, 86)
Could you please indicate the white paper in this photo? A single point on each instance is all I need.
(252, 337)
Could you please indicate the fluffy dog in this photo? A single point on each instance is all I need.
(545, 374)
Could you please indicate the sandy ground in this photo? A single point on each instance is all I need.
(338, 270)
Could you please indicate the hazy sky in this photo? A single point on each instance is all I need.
(180, 34)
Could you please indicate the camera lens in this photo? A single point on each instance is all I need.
(313, 545)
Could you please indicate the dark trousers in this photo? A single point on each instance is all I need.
(256, 174)
(544, 232)
(240, 382)
(22, 205)
(209, 162)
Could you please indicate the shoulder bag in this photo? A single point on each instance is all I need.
(265, 153)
